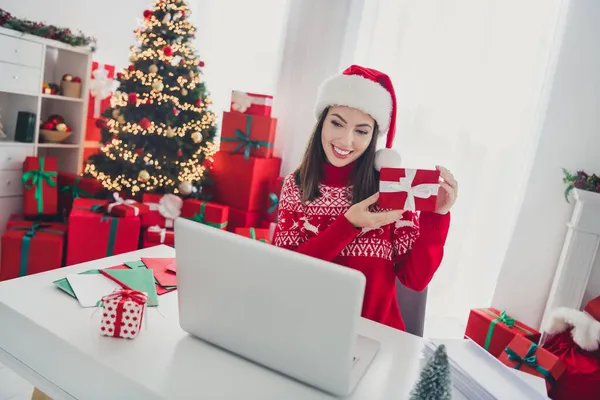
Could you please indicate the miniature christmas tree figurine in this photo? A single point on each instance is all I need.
(434, 382)
(158, 131)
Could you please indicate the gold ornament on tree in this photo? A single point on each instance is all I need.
(153, 69)
(132, 58)
(185, 188)
(170, 132)
(121, 119)
(197, 137)
(158, 86)
(144, 176)
(115, 113)
(184, 92)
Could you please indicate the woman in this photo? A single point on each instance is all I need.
(328, 208)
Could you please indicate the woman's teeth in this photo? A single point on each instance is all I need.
(341, 152)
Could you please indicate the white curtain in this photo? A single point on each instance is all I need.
(468, 76)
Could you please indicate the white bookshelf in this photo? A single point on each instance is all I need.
(26, 61)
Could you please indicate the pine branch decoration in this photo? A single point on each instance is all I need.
(434, 382)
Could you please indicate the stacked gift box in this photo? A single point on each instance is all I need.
(246, 173)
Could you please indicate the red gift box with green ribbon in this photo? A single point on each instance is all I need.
(273, 200)
(250, 135)
(493, 329)
(72, 186)
(40, 190)
(31, 247)
(526, 356)
(206, 213)
(94, 234)
(260, 234)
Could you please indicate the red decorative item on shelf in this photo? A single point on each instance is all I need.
(526, 356)
(126, 208)
(241, 183)
(273, 200)
(251, 103)
(493, 330)
(93, 234)
(243, 219)
(99, 99)
(40, 186)
(164, 209)
(72, 186)
(247, 134)
(408, 189)
(260, 234)
(206, 213)
(30, 248)
(156, 235)
(123, 313)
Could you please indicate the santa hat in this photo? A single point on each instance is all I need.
(370, 91)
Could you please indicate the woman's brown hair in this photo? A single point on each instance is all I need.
(364, 179)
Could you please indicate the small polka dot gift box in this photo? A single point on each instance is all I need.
(122, 313)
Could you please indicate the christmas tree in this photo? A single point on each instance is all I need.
(158, 130)
(434, 382)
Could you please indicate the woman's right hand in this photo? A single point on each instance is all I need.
(360, 216)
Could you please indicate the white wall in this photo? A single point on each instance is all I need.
(239, 40)
(570, 138)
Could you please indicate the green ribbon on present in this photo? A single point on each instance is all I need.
(244, 141)
(114, 226)
(506, 320)
(25, 246)
(253, 236)
(274, 201)
(531, 360)
(201, 217)
(37, 179)
(76, 192)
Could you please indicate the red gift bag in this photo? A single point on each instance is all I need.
(408, 189)
(40, 187)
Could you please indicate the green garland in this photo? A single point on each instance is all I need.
(46, 31)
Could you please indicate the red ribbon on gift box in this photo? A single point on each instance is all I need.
(125, 295)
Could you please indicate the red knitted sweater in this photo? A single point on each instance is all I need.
(411, 249)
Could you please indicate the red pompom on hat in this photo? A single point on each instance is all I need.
(372, 92)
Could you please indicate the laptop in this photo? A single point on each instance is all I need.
(289, 312)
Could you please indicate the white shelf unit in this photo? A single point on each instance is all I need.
(26, 61)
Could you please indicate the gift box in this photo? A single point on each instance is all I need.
(162, 209)
(243, 219)
(99, 98)
(123, 313)
(72, 186)
(260, 234)
(39, 186)
(155, 235)
(16, 219)
(493, 330)
(126, 208)
(246, 134)
(408, 189)
(273, 199)
(94, 234)
(270, 226)
(251, 103)
(210, 214)
(526, 356)
(30, 248)
(243, 184)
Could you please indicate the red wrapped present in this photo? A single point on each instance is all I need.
(260, 234)
(250, 135)
(526, 356)
(243, 219)
(39, 184)
(273, 200)
(408, 189)
(123, 313)
(16, 219)
(243, 184)
(126, 208)
(163, 209)
(72, 186)
(156, 235)
(210, 214)
(94, 234)
(99, 98)
(270, 226)
(251, 103)
(30, 248)
(493, 330)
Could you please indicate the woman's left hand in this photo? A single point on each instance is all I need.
(448, 191)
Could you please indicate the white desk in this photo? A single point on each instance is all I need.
(46, 337)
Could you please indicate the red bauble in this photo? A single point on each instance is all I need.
(145, 123)
(132, 97)
(167, 51)
(77, 79)
(176, 112)
(201, 63)
(148, 14)
(179, 153)
(48, 126)
(139, 152)
(56, 119)
(148, 100)
(101, 123)
(119, 75)
(132, 68)
(199, 102)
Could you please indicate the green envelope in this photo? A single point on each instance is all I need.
(135, 264)
(140, 279)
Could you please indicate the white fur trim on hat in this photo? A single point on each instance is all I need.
(585, 330)
(356, 92)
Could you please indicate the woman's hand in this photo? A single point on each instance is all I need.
(448, 191)
(360, 216)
